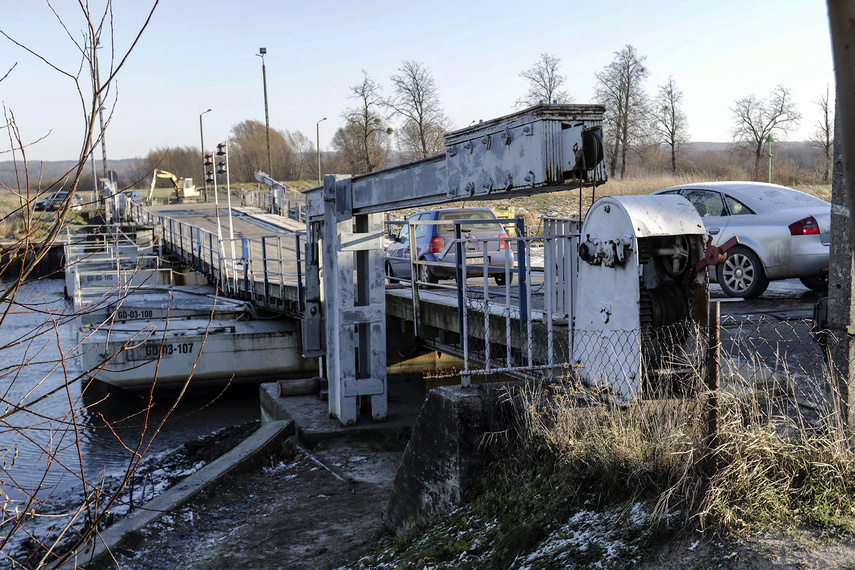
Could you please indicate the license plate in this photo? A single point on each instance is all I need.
(470, 261)
(151, 350)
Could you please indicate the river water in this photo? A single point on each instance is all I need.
(54, 430)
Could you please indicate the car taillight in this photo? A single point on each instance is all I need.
(805, 227)
(502, 244)
(436, 245)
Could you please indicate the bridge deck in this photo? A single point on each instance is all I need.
(269, 268)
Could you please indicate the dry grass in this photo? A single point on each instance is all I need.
(654, 449)
(12, 227)
(567, 203)
(767, 466)
(779, 471)
(647, 183)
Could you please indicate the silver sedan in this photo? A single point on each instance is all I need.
(783, 233)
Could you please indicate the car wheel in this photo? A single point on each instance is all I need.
(501, 278)
(425, 274)
(815, 283)
(741, 274)
(390, 274)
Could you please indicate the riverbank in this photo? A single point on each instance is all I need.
(299, 509)
(321, 509)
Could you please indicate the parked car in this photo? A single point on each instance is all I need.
(132, 195)
(54, 202)
(783, 233)
(434, 243)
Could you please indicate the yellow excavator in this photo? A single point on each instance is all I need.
(185, 190)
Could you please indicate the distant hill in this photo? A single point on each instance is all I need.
(790, 146)
(52, 170)
(49, 171)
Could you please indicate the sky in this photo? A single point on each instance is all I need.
(195, 55)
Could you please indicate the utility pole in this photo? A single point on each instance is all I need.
(841, 301)
(769, 140)
(100, 105)
(318, 144)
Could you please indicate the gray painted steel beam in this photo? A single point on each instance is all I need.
(541, 149)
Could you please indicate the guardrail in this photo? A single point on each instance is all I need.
(267, 268)
(285, 207)
(526, 318)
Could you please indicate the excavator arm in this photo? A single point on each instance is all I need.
(184, 187)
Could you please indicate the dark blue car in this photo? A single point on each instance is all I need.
(434, 245)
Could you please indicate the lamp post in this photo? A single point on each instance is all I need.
(318, 143)
(202, 134)
(100, 104)
(261, 53)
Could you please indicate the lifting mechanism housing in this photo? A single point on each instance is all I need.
(639, 271)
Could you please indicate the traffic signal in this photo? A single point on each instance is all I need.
(221, 149)
(209, 177)
(209, 160)
(221, 168)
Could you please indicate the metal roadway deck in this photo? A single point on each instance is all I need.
(261, 263)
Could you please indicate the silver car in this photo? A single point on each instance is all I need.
(783, 233)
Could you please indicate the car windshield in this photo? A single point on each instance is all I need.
(784, 199)
(448, 228)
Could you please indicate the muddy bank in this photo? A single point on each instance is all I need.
(301, 509)
(156, 473)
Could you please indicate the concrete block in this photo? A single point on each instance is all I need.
(444, 456)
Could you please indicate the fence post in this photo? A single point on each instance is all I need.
(713, 379)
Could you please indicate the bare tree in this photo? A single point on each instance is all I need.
(349, 145)
(248, 152)
(823, 137)
(366, 127)
(620, 87)
(544, 83)
(668, 119)
(303, 156)
(183, 162)
(22, 506)
(755, 120)
(416, 99)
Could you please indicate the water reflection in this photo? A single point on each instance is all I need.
(45, 405)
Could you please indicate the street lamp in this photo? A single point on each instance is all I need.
(100, 105)
(261, 53)
(318, 142)
(202, 134)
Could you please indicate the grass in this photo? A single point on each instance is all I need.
(13, 226)
(581, 485)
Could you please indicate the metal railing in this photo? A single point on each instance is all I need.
(507, 327)
(100, 258)
(263, 269)
(286, 207)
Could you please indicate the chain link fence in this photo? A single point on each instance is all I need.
(767, 366)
